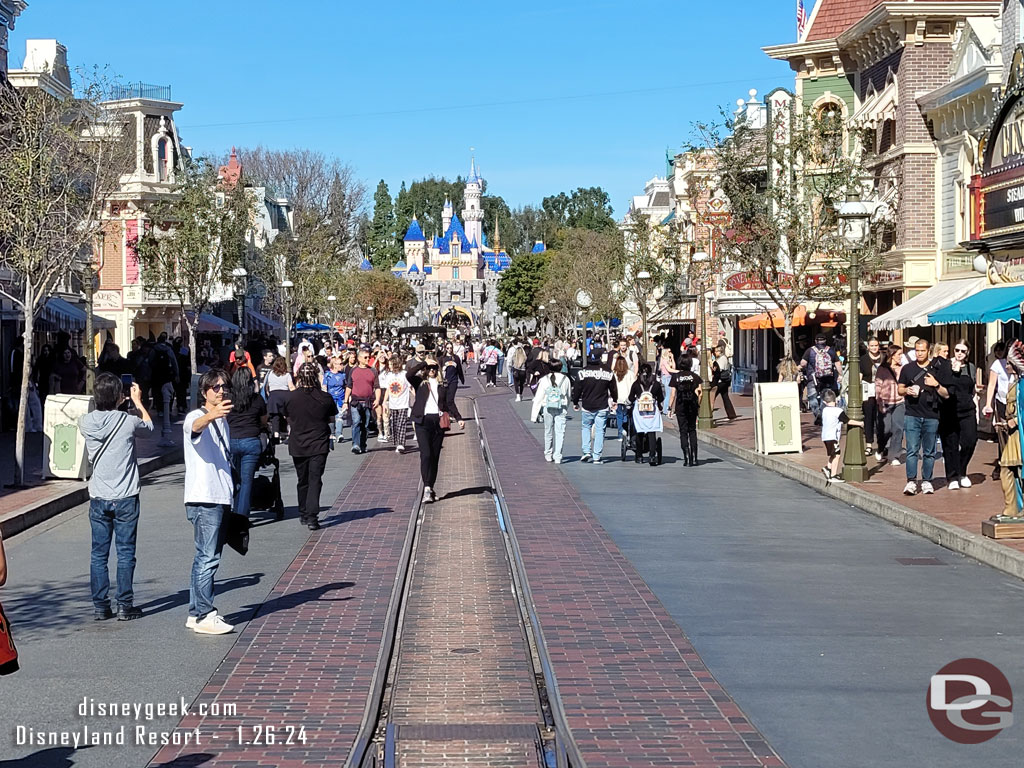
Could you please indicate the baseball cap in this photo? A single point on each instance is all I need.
(420, 348)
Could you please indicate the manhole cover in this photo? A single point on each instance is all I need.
(464, 650)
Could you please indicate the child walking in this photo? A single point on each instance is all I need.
(832, 419)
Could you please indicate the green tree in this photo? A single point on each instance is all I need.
(389, 296)
(584, 260)
(195, 240)
(425, 200)
(383, 249)
(520, 285)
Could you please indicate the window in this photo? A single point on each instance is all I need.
(161, 159)
(455, 273)
(829, 119)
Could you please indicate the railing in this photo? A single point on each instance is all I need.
(141, 91)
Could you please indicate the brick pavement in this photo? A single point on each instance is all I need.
(635, 691)
(965, 508)
(463, 661)
(307, 658)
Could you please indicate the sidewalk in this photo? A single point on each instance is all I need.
(43, 498)
(950, 518)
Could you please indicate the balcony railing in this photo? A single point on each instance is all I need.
(141, 91)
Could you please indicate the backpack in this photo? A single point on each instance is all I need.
(823, 365)
(553, 399)
(646, 404)
(518, 358)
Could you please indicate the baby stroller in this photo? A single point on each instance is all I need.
(266, 483)
(629, 442)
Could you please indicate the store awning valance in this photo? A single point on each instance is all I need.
(59, 314)
(212, 324)
(996, 303)
(262, 323)
(826, 318)
(914, 311)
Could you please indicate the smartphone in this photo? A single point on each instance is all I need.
(126, 382)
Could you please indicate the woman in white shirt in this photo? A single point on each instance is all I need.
(554, 393)
(623, 378)
(1000, 375)
(426, 415)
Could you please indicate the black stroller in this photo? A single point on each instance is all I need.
(629, 441)
(266, 483)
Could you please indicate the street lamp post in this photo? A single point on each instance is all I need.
(853, 222)
(705, 413)
(241, 288)
(331, 300)
(584, 301)
(504, 321)
(90, 333)
(540, 314)
(286, 286)
(370, 323)
(643, 282)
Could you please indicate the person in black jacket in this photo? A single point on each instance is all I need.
(958, 416)
(452, 375)
(595, 389)
(429, 404)
(310, 412)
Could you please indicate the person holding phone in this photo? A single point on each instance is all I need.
(113, 491)
(922, 391)
(209, 489)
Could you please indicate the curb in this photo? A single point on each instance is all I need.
(24, 518)
(952, 537)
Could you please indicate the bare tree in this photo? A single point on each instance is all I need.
(60, 161)
(783, 182)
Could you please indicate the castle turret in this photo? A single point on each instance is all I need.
(473, 213)
(446, 216)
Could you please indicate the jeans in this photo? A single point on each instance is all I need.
(309, 472)
(891, 433)
(338, 425)
(958, 441)
(245, 457)
(665, 379)
(209, 538)
(360, 413)
(509, 371)
(167, 394)
(430, 437)
(117, 519)
(920, 434)
(622, 420)
(554, 432)
(597, 421)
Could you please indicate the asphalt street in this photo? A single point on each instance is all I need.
(802, 608)
(67, 658)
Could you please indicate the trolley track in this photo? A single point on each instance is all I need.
(544, 737)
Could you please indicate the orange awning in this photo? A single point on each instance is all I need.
(826, 318)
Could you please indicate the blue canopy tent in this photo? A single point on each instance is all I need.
(615, 323)
(996, 303)
(312, 327)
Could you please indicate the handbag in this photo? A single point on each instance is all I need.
(8, 653)
(445, 419)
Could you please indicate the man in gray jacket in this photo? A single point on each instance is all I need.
(113, 492)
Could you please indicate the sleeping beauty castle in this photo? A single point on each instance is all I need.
(458, 270)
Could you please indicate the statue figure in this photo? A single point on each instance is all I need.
(1010, 459)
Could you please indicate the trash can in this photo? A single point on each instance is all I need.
(63, 442)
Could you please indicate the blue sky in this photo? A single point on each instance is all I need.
(552, 95)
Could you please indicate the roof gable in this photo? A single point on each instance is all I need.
(833, 17)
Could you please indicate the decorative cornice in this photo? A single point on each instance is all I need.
(789, 51)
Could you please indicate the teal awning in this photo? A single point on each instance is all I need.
(996, 303)
(670, 217)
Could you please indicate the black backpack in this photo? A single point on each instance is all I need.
(163, 367)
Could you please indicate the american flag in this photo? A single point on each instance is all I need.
(801, 20)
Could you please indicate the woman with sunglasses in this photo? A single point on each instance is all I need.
(958, 417)
(428, 405)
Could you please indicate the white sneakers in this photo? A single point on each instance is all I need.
(400, 449)
(965, 482)
(429, 495)
(519, 398)
(953, 486)
(548, 457)
(211, 624)
(910, 489)
(894, 463)
(926, 487)
(878, 455)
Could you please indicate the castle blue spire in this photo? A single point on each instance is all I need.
(415, 233)
(365, 264)
(474, 176)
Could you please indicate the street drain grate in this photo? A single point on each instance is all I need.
(919, 561)
(464, 650)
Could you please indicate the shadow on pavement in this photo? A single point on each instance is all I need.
(180, 598)
(467, 492)
(55, 757)
(291, 600)
(186, 761)
(359, 514)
